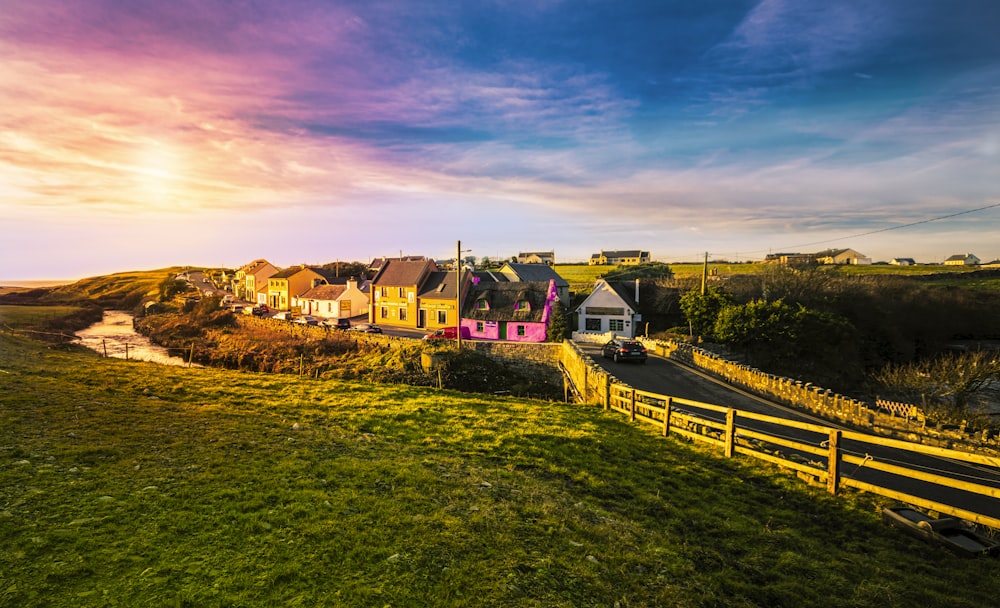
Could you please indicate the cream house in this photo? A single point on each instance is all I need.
(338, 301)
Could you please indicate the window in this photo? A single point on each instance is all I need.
(520, 331)
(409, 297)
(479, 327)
(442, 317)
(402, 314)
(329, 307)
(383, 291)
(616, 325)
(522, 305)
(402, 292)
(384, 312)
(482, 304)
(593, 324)
(345, 307)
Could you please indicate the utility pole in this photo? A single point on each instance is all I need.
(704, 274)
(458, 295)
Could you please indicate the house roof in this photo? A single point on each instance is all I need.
(625, 291)
(535, 272)
(324, 292)
(439, 285)
(403, 273)
(502, 297)
(960, 256)
(623, 253)
(489, 277)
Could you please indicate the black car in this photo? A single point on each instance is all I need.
(623, 349)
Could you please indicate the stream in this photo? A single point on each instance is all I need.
(114, 336)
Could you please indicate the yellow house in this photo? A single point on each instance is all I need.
(394, 292)
(630, 257)
(293, 282)
(251, 280)
(438, 298)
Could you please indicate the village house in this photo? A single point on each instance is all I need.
(612, 307)
(250, 282)
(532, 273)
(962, 260)
(842, 256)
(537, 257)
(343, 299)
(630, 257)
(902, 262)
(514, 312)
(292, 282)
(394, 292)
(437, 299)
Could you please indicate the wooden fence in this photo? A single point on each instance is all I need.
(826, 458)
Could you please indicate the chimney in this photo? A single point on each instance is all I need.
(637, 291)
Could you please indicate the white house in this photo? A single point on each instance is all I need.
(334, 301)
(611, 307)
(902, 262)
(962, 260)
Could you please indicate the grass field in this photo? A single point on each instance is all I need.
(131, 484)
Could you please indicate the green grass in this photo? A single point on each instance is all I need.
(132, 484)
(32, 316)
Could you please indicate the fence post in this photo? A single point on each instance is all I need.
(607, 392)
(730, 431)
(631, 407)
(833, 468)
(666, 416)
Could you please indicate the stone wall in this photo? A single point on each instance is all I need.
(901, 423)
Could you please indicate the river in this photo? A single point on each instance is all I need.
(114, 336)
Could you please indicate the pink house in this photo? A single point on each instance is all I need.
(515, 312)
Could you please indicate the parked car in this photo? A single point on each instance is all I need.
(283, 316)
(306, 320)
(259, 310)
(445, 333)
(338, 323)
(624, 349)
(369, 328)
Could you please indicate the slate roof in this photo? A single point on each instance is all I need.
(324, 292)
(403, 273)
(536, 273)
(626, 291)
(623, 253)
(502, 297)
(440, 284)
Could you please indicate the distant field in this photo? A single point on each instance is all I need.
(132, 484)
(30, 316)
(588, 274)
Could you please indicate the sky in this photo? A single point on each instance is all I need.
(141, 134)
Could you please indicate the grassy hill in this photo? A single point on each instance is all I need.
(132, 484)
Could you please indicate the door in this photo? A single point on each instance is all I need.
(422, 318)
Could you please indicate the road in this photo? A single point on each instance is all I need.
(659, 375)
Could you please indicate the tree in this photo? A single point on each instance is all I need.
(650, 270)
(946, 388)
(558, 328)
(169, 287)
(701, 310)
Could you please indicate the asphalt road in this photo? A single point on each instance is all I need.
(661, 376)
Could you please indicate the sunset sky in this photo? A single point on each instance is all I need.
(143, 134)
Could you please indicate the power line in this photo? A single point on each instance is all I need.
(901, 226)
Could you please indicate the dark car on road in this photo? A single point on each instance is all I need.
(623, 349)
(368, 328)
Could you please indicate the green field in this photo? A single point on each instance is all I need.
(132, 484)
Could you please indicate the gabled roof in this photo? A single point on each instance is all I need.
(502, 297)
(626, 291)
(403, 273)
(624, 253)
(439, 285)
(961, 256)
(324, 292)
(535, 272)
(294, 270)
(489, 277)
